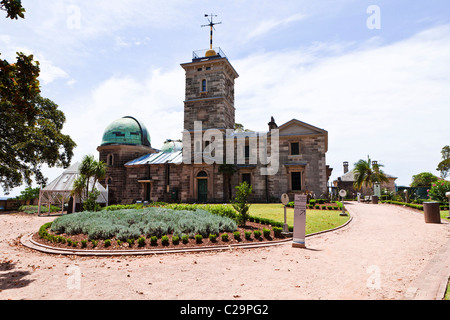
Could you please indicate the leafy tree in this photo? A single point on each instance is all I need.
(30, 127)
(240, 202)
(424, 179)
(29, 194)
(444, 165)
(13, 8)
(368, 173)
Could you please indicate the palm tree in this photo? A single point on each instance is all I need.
(368, 173)
(90, 168)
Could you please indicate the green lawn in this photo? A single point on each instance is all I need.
(316, 220)
(444, 215)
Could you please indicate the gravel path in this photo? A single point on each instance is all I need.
(378, 256)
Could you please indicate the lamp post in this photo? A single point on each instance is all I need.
(406, 195)
(343, 194)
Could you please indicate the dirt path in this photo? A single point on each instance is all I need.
(378, 256)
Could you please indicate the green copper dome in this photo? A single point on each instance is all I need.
(172, 146)
(128, 131)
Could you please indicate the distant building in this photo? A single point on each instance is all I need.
(347, 180)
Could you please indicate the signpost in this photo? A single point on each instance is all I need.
(285, 201)
(299, 221)
(343, 194)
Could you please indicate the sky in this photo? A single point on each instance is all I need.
(374, 74)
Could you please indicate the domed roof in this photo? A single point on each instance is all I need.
(126, 131)
(172, 146)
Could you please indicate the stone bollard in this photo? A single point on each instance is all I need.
(432, 212)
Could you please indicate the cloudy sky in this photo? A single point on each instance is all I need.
(374, 74)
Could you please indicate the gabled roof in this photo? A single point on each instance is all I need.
(298, 128)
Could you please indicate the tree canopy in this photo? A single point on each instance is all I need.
(444, 165)
(13, 8)
(368, 173)
(424, 179)
(31, 127)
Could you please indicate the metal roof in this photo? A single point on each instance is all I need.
(158, 158)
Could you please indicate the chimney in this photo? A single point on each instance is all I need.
(272, 124)
(345, 167)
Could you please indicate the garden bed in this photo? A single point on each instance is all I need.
(147, 229)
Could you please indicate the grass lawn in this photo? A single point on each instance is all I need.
(316, 220)
(444, 215)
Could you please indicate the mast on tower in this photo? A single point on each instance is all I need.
(211, 24)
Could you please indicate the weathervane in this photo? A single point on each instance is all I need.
(211, 24)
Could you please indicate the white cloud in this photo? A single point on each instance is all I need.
(270, 24)
(156, 100)
(387, 101)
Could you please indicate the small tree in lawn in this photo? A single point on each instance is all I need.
(240, 202)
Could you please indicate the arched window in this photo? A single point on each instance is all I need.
(202, 174)
(204, 86)
(110, 160)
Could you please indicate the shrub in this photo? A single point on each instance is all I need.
(165, 240)
(154, 241)
(31, 209)
(266, 233)
(127, 224)
(438, 190)
(277, 232)
(317, 207)
(94, 243)
(107, 243)
(84, 243)
(91, 204)
(311, 206)
(330, 207)
(213, 237)
(324, 207)
(176, 240)
(240, 202)
(119, 242)
(185, 238)
(130, 242)
(257, 234)
(198, 238)
(141, 242)
(248, 235)
(225, 237)
(312, 202)
(237, 235)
